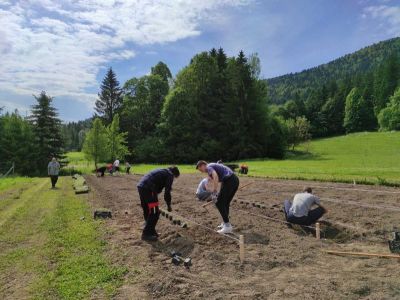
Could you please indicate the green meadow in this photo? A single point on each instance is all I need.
(50, 246)
(368, 157)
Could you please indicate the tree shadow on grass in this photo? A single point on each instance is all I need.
(303, 155)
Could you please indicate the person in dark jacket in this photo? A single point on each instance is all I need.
(149, 187)
(53, 169)
(100, 171)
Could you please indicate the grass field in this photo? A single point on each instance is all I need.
(50, 247)
(372, 158)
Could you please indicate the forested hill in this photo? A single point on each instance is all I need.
(284, 88)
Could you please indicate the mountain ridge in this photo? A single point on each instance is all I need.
(284, 88)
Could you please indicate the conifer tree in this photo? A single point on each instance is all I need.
(110, 98)
(47, 129)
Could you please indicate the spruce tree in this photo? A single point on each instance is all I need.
(110, 98)
(47, 129)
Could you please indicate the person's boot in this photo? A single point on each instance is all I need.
(149, 237)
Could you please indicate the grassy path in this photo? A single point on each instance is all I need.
(50, 248)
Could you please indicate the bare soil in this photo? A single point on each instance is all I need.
(281, 263)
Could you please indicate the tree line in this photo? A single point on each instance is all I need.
(363, 102)
(215, 108)
(30, 142)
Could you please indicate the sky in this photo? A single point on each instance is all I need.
(65, 47)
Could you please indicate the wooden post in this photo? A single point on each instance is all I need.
(241, 248)
(318, 230)
(383, 255)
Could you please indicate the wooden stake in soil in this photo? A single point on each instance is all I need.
(383, 255)
(241, 248)
(318, 230)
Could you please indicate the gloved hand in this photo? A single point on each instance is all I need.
(214, 197)
(169, 208)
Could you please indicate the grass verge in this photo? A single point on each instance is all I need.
(51, 248)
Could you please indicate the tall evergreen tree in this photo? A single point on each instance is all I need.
(47, 128)
(110, 98)
(218, 109)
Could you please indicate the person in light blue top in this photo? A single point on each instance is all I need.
(202, 193)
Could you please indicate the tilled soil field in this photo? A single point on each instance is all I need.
(280, 263)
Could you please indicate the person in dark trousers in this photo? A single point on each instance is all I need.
(300, 211)
(100, 171)
(149, 187)
(128, 167)
(219, 173)
(53, 169)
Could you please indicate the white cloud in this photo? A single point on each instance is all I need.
(388, 16)
(59, 46)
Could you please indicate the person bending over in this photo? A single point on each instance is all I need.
(220, 174)
(300, 211)
(149, 187)
(203, 193)
(100, 171)
(53, 169)
(116, 166)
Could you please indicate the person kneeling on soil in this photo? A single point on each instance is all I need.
(300, 212)
(203, 193)
(149, 187)
(220, 173)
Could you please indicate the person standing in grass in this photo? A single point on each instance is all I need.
(53, 169)
(128, 167)
(221, 174)
(149, 187)
(300, 212)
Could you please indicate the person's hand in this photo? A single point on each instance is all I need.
(169, 208)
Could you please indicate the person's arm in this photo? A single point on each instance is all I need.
(48, 169)
(215, 181)
(317, 202)
(167, 192)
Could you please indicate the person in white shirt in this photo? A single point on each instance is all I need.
(116, 166)
(301, 212)
(203, 193)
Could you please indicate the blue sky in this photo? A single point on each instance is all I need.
(65, 47)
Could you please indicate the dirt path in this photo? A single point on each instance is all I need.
(281, 263)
